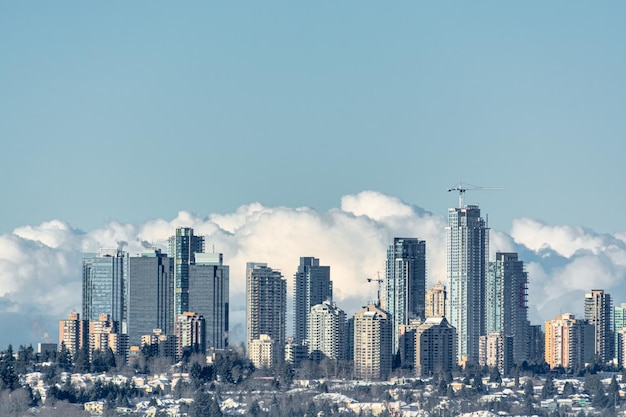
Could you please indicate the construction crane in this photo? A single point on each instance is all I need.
(380, 281)
(462, 188)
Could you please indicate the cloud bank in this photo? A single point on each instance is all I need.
(40, 266)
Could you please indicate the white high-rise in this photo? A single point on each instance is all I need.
(467, 255)
(327, 332)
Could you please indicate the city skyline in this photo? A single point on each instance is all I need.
(367, 221)
(343, 98)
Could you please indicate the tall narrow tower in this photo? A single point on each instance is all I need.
(182, 249)
(507, 309)
(208, 296)
(312, 286)
(266, 294)
(405, 283)
(467, 254)
(105, 285)
(598, 312)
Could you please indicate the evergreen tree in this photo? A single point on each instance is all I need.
(548, 390)
(9, 378)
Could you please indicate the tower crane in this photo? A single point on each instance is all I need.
(462, 188)
(380, 281)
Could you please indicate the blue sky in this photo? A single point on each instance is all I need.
(123, 120)
(133, 111)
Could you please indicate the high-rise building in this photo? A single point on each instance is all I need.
(436, 301)
(182, 248)
(467, 253)
(620, 352)
(266, 307)
(406, 343)
(373, 331)
(435, 346)
(598, 309)
(507, 309)
(160, 344)
(105, 334)
(312, 286)
(327, 332)
(619, 321)
(73, 333)
(262, 351)
(496, 351)
(105, 287)
(569, 342)
(150, 294)
(208, 296)
(536, 343)
(405, 283)
(190, 332)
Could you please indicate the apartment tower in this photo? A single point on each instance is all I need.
(266, 295)
(405, 283)
(312, 286)
(435, 346)
(598, 310)
(436, 301)
(569, 342)
(467, 253)
(182, 248)
(373, 331)
(327, 332)
(507, 307)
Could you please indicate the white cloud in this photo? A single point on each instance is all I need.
(40, 266)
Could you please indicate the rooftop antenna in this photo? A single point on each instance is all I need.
(462, 188)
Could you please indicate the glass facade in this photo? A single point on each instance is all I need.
(405, 283)
(105, 285)
(467, 239)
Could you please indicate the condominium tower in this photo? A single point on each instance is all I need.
(312, 286)
(467, 252)
(405, 283)
(436, 301)
(73, 333)
(266, 295)
(569, 342)
(372, 343)
(598, 309)
(182, 249)
(507, 309)
(327, 332)
(435, 347)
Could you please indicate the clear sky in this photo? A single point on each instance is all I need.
(135, 110)
(120, 121)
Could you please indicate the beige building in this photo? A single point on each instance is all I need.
(190, 332)
(104, 334)
(160, 343)
(372, 343)
(73, 333)
(569, 342)
(261, 352)
(496, 351)
(436, 301)
(435, 347)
